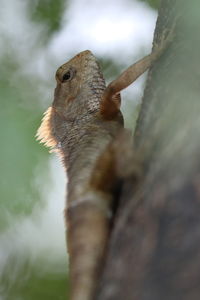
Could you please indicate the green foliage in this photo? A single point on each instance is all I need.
(23, 162)
(33, 281)
(19, 150)
(48, 12)
(153, 3)
(20, 153)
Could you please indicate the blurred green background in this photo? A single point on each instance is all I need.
(33, 261)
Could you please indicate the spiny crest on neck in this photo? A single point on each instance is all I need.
(44, 133)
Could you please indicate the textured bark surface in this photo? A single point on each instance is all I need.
(154, 251)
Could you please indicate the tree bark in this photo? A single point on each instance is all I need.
(154, 250)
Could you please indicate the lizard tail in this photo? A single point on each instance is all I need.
(87, 236)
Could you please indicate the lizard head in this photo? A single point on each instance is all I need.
(80, 86)
(79, 81)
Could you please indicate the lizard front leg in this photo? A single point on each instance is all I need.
(110, 103)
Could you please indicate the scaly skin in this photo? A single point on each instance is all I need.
(74, 127)
(82, 125)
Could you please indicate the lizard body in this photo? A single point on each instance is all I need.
(74, 127)
(82, 125)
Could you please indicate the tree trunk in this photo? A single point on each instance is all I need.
(154, 251)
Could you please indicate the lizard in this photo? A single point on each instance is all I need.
(83, 125)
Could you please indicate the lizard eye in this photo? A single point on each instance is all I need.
(68, 75)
